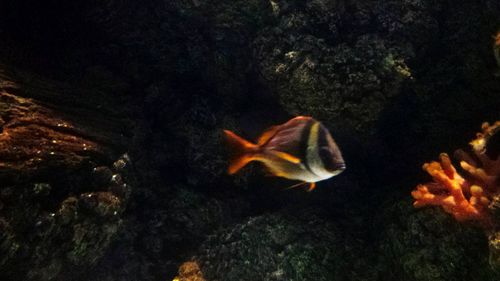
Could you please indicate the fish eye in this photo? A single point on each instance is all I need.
(326, 156)
(329, 160)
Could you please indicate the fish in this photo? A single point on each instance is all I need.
(300, 149)
(496, 51)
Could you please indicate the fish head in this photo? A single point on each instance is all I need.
(332, 159)
(329, 152)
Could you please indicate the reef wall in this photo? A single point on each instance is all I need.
(111, 113)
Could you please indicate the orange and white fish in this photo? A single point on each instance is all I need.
(300, 149)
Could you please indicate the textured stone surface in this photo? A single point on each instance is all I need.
(494, 245)
(395, 81)
(280, 246)
(430, 245)
(324, 59)
(58, 211)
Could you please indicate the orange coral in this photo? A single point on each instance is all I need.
(465, 197)
(189, 271)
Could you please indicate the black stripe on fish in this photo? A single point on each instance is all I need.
(324, 150)
(304, 138)
(322, 141)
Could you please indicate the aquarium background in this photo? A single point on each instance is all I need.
(112, 164)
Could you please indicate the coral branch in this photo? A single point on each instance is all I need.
(468, 197)
(447, 191)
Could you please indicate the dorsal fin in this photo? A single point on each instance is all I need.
(267, 135)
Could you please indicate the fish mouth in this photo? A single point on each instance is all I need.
(338, 168)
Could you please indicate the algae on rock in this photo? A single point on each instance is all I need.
(428, 245)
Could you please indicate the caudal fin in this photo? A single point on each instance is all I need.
(242, 151)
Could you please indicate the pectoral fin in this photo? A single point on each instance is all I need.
(311, 187)
(296, 185)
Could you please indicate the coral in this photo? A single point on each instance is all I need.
(189, 271)
(465, 197)
(194, 66)
(449, 189)
(473, 196)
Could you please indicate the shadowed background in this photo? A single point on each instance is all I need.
(396, 82)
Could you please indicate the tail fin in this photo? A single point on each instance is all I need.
(242, 151)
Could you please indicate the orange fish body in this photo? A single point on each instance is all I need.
(300, 149)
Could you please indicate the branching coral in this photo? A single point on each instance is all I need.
(473, 196)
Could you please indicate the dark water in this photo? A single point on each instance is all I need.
(136, 95)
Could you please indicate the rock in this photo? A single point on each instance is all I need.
(42, 134)
(8, 244)
(427, 244)
(494, 245)
(276, 247)
(101, 176)
(160, 79)
(494, 207)
(321, 66)
(56, 144)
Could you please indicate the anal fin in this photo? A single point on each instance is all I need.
(312, 186)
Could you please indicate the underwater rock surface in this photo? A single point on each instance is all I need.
(333, 60)
(61, 198)
(280, 246)
(395, 81)
(429, 245)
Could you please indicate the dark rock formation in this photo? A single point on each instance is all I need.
(395, 81)
(282, 246)
(494, 245)
(333, 60)
(61, 208)
(430, 245)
